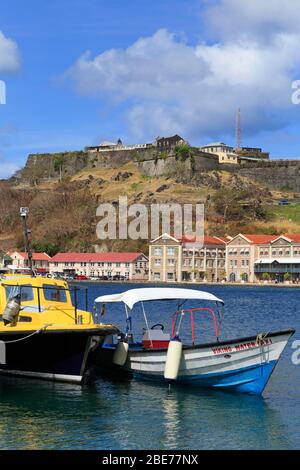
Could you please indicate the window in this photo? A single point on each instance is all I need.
(157, 262)
(170, 276)
(157, 276)
(171, 251)
(54, 294)
(26, 291)
(157, 251)
(171, 262)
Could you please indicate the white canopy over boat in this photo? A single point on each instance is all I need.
(133, 296)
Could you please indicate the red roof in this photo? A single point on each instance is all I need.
(206, 240)
(260, 239)
(95, 257)
(35, 256)
(295, 237)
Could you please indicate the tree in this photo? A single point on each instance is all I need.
(58, 163)
(287, 276)
(183, 151)
(238, 204)
(265, 276)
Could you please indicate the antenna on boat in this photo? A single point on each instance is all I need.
(24, 213)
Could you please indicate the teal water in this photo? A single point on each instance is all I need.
(127, 414)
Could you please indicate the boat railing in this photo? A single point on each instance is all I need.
(191, 311)
(72, 290)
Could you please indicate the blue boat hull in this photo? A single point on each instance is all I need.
(251, 380)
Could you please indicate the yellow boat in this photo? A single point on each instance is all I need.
(42, 333)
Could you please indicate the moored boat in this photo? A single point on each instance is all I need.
(43, 334)
(241, 365)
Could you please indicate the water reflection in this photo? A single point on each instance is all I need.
(171, 422)
(127, 414)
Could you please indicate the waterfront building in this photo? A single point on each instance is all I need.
(180, 259)
(131, 266)
(252, 258)
(19, 259)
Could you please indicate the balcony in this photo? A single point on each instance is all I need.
(277, 268)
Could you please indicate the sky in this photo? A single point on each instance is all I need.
(78, 72)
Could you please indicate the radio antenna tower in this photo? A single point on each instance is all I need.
(238, 129)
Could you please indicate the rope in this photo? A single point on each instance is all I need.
(28, 336)
(260, 337)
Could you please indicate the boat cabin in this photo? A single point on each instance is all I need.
(42, 300)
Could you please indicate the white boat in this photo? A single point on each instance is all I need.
(242, 365)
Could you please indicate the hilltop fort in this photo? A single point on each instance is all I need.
(166, 156)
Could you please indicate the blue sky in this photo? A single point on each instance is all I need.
(81, 71)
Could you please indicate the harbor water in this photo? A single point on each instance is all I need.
(120, 413)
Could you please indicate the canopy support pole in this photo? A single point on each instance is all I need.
(146, 321)
(128, 322)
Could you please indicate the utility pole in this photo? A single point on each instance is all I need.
(23, 213)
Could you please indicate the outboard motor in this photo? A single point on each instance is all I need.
(12, 310)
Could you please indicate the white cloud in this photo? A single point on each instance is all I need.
(9, 55)
(7, 169)
(171, 86)
(255, 19)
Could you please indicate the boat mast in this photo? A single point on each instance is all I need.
(23, 213)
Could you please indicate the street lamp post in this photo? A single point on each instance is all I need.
(24, 213)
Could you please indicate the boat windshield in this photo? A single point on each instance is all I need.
(26, 292)
(54, 294)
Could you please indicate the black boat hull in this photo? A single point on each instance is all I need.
(52, 355)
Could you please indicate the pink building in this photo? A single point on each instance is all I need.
(132, 266)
